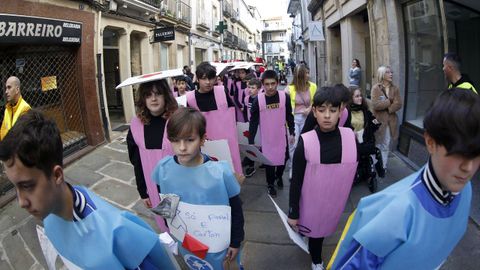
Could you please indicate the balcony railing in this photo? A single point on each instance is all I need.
(176, 11)
(184, 12)
(155, 3)
(202, 20)
(228, 38)
(227, 8)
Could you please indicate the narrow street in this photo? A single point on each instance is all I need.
(107, 172)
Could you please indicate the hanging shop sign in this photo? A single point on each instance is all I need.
(164, 34)
(16, 29)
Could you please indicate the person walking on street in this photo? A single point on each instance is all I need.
(451, 69)
(355, 73)
(386, 102)
(15, 106)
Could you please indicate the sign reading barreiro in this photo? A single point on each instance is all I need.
(17, 29)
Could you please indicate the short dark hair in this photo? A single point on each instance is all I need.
(35, 140)
(181, 78)
(145, 90)
(256, 82)
(454, 59)
(342, 92)
(205, 69)
(269, 74)
(453, 120)
(326, 95)
(184, 122)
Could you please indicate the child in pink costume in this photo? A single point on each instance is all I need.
(214, 103)
(272, 111)
(324, 165)
(146, 139)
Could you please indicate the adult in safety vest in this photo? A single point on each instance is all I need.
(451, 68)
(14, 107)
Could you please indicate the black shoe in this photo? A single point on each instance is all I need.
(249, 171)
(272, 191)
(373, 184)
(380, 169)
(280, 183)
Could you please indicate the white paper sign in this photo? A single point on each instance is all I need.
(243, 133)
(218, 150)
(151, 77)
(296, 237)
(182, 100)
(253, 153)
(209, 224)
(51, 253)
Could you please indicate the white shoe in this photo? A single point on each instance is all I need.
(318, 266)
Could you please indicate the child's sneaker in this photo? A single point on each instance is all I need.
(318, 266)
(272, 191)
(249, 171)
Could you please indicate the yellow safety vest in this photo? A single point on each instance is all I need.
(464, 85)
(11, 115)
(293, 93)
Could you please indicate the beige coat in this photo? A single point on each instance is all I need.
(385, 109)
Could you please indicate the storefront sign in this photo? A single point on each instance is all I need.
(16, 29)
(164, 34)
(315, 31)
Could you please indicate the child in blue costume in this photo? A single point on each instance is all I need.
(417, 222)
(83, 228)
(202, 182)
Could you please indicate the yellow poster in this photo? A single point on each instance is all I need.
(49, 83)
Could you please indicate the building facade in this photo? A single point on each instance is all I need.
(49, 46)
(411, 37)
(275, 36)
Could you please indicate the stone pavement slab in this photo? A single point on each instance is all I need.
(82, 175)
(119, 170)
(259, 256)
(117, 191)
(265, 228)
(18, 256)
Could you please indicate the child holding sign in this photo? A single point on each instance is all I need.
(324, 165)
(208, 191)
(86, 230)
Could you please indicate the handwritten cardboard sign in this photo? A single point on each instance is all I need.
(218, 150)
(253, 153)
(209, 224)
(243, 134)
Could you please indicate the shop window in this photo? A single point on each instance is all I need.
(424, 41)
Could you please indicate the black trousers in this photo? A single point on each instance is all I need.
(315, 248)
(276, 172)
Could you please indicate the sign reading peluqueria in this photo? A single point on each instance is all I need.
(18, 29)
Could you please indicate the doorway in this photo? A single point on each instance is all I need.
(112, 77)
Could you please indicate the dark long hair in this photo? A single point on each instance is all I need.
(145, 90)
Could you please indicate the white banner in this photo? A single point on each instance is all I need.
(209, 224)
